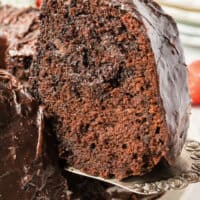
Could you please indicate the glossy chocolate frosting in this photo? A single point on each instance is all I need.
(171, 71)
(28, 164)
(21, 28)
(20, 25)
(3, 47)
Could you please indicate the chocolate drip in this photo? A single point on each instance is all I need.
(28, 168)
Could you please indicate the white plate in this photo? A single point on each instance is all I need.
(192, 5)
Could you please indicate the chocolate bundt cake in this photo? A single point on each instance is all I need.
(19, 184)
(28, 165)
(21, 28)
(112, 73)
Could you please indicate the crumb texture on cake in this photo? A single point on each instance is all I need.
(120, 105)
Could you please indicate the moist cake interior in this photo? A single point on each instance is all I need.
(98, 77)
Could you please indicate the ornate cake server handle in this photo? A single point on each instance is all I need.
(163, 178)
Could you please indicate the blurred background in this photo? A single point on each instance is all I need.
(19, 2)
(187, 15)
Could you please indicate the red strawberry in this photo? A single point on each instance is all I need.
(38, 3)
(194, 81)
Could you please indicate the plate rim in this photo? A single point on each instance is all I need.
(179, 6)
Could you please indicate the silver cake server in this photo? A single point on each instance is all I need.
(163, 178)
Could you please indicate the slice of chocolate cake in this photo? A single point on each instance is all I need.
(113, 75)
(28, 165)
(20, 26)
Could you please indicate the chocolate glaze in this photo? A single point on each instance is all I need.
(171, 71)
(20, 26)
(28, 165)
(3, 47)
